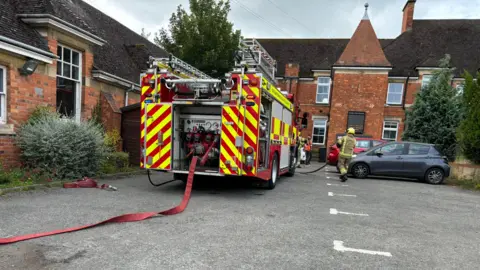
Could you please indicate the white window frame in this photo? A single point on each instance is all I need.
(329, 84)
(401, 93)
(78, 90)
(390, 129)
(426, 82)
(3, 106)
(313, 129)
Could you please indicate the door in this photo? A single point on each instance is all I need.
(388, 160)
(231, 140)
(416, 160)
(158, 139)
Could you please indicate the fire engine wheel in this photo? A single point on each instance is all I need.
(274, 176)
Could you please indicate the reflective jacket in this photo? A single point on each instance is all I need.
(347, 145)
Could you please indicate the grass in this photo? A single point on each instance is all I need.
(471, 184)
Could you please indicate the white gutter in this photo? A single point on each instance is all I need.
(363, 68)
(320, 70)
(26, 50)
(48, 19)
(110, 78)
(429, 68)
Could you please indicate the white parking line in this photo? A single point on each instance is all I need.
(334, 211)
(331, 194)
(336, 185)
(338, 245)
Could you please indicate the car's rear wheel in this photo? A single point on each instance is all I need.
(435, 176)
(360, 170)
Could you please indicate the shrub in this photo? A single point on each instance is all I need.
(469, 131)
(436, 113)
(112, 138)
(61, 147)
(41, 112)
(114, 162)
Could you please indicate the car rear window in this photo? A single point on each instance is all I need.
(418, 149)
(363, 144)
(435, 152)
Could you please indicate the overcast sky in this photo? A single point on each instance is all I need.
(294, 18)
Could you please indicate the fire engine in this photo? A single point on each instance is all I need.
(240, 125)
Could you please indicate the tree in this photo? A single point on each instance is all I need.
(469, 131)
(203, 38)
(145, 34)
(436, 112)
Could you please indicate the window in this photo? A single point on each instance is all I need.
(323, 90)
(390, 130)
(356, 120)
(319, 131)
(395, 93)
(3, 95)
(391, 149)
(69, 66)
(460, 88)
(418, 149)
(363, 144)
(426, 80)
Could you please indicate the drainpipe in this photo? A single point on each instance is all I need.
(405, 93)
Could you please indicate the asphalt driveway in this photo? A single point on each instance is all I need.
(375, 224)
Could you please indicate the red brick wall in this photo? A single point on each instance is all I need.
(358, 92)
(9, 153)
(133, 98)
(24, 94)
(412, 89)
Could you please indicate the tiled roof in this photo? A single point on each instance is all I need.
(423, 46)
(311, 54)
(363, 49)
(116, 56)
(430, 40)
(13, 28)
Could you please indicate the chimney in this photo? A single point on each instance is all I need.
(408, 9)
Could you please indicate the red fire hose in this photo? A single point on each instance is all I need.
(123, 218)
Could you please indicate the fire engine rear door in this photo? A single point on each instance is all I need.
(231, 142)
(158, 141)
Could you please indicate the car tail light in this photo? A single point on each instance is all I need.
(249, 151)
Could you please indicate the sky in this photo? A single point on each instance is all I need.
(293, 19)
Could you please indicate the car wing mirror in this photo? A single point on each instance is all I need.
(379, 154)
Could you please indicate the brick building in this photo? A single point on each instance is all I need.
(80, 57)
(366, 82)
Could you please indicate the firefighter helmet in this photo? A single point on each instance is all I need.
(351, 131)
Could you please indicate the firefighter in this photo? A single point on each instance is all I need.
(346, 145)
(308, 150)
(300, 150)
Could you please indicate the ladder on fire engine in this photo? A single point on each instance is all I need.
(178, 66)
(254, 56)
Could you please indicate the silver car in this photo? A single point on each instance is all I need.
(402, 159)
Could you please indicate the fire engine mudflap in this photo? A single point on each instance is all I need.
(118, 219)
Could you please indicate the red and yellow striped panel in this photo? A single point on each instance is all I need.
(158, 136)
(146, 90)
(230, 155)
(250, 116)
(276, 130)
(286, 134)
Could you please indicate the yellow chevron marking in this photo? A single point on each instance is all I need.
(224, 168)
(156, 129)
